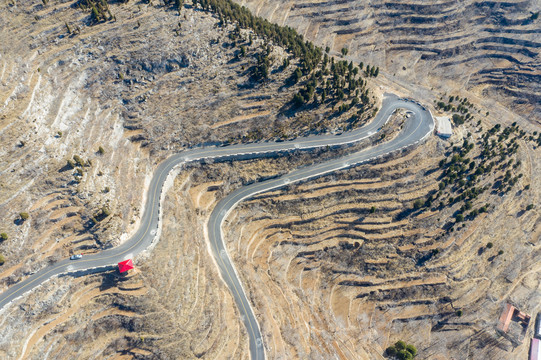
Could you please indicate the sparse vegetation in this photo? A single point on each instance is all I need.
(326, 82)
(371, 71)
(101, 214)
(353, 225)
(3, 236)
(401, 351)
(461, 109)
(467, 175)
(24, 216)
(228, 11)
(261, 70)
(99, 10)
(78, 160)
(101, 151)
(178, 5)
(417, 204)
(2, 260)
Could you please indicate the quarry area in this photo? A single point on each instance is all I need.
(426, 246)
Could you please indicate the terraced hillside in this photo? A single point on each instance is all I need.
(488, 47)
(75, 161)
(87, 110)
(350, 266)
(173, 306)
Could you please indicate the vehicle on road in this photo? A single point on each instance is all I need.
(423, 126)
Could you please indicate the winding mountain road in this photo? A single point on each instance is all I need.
(416, 128)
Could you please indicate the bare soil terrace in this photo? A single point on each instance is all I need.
(345, 280)
(328, 276)
(117, 98)
(488, 48)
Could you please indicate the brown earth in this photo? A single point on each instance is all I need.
(488, 48)
(141, 90)
(334, 271)
(173, 306)
(327, 277)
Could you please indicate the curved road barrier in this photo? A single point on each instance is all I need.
(417, 128)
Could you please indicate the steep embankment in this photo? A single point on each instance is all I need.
(86, 113)
(89, 107)
(350, 266)
(67, 94)
(488, 47)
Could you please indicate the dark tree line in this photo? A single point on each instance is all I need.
(464, 176)
(333, 82)
(228, 12)
(99, 10)
(325, 81)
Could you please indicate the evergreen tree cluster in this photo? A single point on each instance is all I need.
(401, 351)
(333, 82)
(459, 106)
(263, 63)
(228, 11)
(337, 84)
(99, 10)
(371, 71)
(464, 176)
(326, 81)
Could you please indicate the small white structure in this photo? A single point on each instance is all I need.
(535, 350)
(443, 127)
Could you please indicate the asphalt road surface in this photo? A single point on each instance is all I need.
(416, 128)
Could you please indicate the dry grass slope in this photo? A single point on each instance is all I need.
(343, 279)
(173, 306)
(488, 47)
(337, 278)
(140, 91)
(141, 87)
